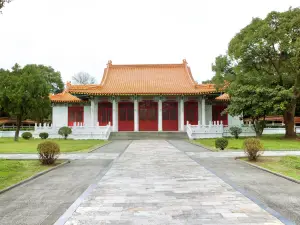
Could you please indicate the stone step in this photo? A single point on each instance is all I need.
(147, 135)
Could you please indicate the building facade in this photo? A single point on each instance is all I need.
(146, 97)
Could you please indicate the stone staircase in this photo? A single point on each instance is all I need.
(147, 135)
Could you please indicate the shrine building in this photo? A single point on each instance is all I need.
(142, 97)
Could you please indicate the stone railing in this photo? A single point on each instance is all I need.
(213, 130)
(79, 131)
(216, 129)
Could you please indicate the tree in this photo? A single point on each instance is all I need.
(83, 78)
(53, 78)
(2, 3)
(23, 91)
(266, 54)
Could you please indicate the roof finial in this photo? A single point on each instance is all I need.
(109, 63)
(184, 61)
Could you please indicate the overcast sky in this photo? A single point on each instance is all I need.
(82, 35)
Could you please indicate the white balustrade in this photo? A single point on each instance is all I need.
(79, 131)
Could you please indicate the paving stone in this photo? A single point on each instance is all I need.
(153, 182)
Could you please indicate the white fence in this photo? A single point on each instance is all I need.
(213, 130)
(216, 129)
(79, 131)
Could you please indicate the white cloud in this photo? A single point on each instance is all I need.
(76, 35)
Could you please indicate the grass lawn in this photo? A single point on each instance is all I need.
(287, 165)
(14, 171)
(7, 145)
(270, 142)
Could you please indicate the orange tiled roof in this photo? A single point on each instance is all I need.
(64, 97)
(223, 97)
(145, 79)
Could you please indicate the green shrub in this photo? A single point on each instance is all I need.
(235, 131)
(44, 135)
(48, 152)
(65, 132)
(253, 148)
(27, 135)
(221, 143)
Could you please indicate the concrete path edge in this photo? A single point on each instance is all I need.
(67, 214)
(247, 195)
(33, 177)
(97, 147)
(269, 171)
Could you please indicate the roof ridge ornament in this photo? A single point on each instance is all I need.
(109, 63)
(184, 61)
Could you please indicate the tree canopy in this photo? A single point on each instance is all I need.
(83, 78)
(264, 57)
(3, 2)
(24, 92)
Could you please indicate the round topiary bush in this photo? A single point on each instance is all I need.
(65, 132)
(253, 148)
(27, 135)
(235, 131)
(48, 152)
(44, 135)
(221, 143)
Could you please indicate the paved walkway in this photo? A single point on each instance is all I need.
(155, 183)
(193, 151)
(271, 191)
(44, 199)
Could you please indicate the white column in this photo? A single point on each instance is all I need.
(159, 114)
(203, 110)
(136, 115)
(115, 115)
(93, 112)
(181, 115)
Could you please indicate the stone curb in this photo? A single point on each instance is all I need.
(96, 147)
(269, 171)
(202, 146)
(33, 177)
(69, 212)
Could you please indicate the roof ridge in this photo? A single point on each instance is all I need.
(146, 65)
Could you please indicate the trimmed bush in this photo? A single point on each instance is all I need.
(27, 135)
(221, 143)
(44, 135)
(253, 148)
(235, 131)
(48, 152)
(65, 132)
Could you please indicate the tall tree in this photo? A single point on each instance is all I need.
(83, 78)
(3, 2)
(267, 52)
(23, 91)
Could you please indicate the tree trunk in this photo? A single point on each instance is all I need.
(289, 120)
(19, 121)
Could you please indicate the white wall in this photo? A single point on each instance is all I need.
(60, 115)
(87, 115)
(234, 121)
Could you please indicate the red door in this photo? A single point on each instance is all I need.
(104, 113)
(191, 112)
(148, 115)
(75, 115)
(170, 116)
(126, 116)
(217, 114)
